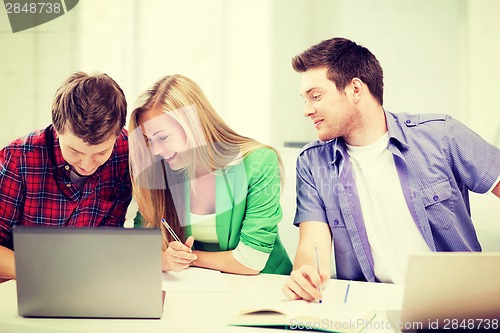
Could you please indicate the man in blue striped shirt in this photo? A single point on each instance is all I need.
(381, 186)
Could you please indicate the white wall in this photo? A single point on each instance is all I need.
(483, 67)
(33, 63)
(438, 56)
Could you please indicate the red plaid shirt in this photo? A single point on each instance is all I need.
(36, 188)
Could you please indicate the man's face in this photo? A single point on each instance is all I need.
(332, 112)
(84, 158)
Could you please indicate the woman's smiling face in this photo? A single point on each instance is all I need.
(165, 136)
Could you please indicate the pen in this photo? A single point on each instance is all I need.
(170, 230)
(317, 268)
(347, 292)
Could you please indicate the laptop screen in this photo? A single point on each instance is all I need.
(445, 289)
(104, 272)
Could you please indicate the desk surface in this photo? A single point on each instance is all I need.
(202, 311)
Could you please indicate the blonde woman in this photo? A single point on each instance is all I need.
(218, 190)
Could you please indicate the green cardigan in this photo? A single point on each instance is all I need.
(248, 209)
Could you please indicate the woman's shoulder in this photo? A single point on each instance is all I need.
(262, 155)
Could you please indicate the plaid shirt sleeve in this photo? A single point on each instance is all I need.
(11, 195)
(117, 213)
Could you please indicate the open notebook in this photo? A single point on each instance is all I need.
(347, 307)
(194, 280)
(292, 315)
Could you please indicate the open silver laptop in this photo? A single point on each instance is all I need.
(450, 291)
(100, 272)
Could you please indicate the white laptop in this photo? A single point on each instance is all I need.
(450, 291)
(103, 272)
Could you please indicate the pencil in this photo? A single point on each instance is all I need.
(317, 268)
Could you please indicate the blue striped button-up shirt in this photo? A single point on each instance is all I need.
(438, 160)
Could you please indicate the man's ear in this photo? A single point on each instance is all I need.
(357, 89)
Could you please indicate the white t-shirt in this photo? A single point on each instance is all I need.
(203, 229)
(392, 232)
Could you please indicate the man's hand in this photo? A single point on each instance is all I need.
(305, 283)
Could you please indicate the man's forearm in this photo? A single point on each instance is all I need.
(315, 246)
(7, 266)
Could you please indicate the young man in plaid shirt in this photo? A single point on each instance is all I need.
(74, 172)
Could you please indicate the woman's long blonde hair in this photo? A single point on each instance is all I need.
(218, 147)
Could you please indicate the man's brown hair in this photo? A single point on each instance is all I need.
(344, 60)
(92, 107)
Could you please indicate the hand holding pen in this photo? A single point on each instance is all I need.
(178, 256)
(306, 282)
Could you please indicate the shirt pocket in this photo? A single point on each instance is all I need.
(340, 235)
(99, 211)
(438, 206)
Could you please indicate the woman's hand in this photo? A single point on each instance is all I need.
(178, 256)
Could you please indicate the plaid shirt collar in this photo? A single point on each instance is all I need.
(61, 169)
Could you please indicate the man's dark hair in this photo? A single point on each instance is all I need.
(92, 107)
(344, 60)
